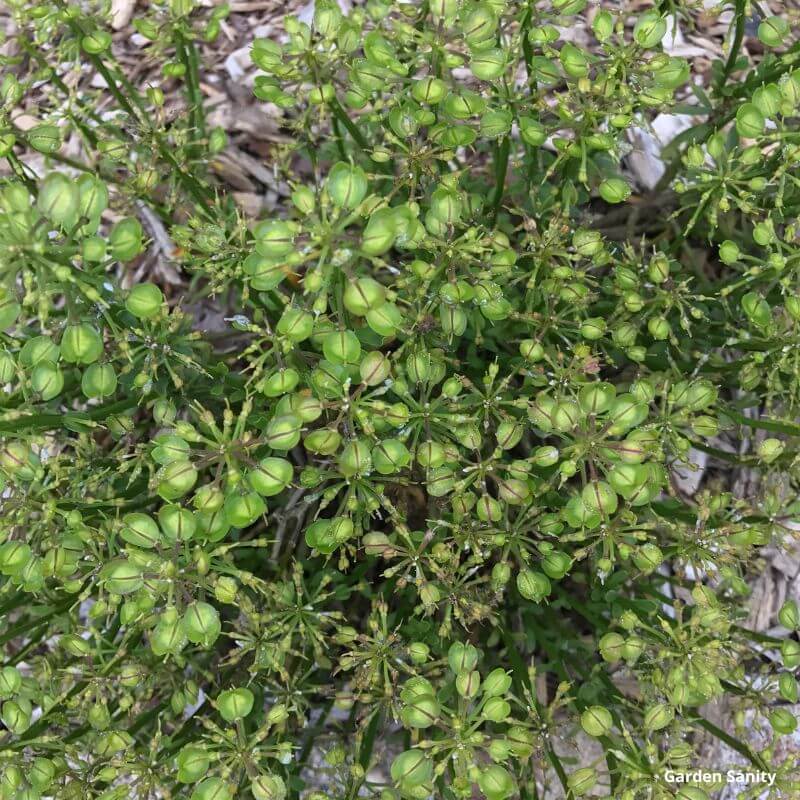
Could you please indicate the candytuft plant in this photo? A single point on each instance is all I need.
(422, 512)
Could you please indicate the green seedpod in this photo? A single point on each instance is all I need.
(168, 448)
(574, 61)
(274, 239)
(488, 509)
(140, 530)
(355, 459)
(19, 461)
(756, 309)
(533, 585)
(750, 122)
(176, 479)
(429, 90)
(790, 653)
(593, 328)
(496, 709)
(496, 782)
(462, 657)
(121, 577)
(768, 100)
(532, 131)
(787, 686)
(513, 491)
(531, 350)
(177, 524)
(144, 301)
(412, 768)
(9, 312)
(596, 721)
(566, 416)
(342, 347)
(201, 624)
(265, 273)
(650, 29)
(296, 324)
(193, 762)
(582, 781)
(488, 64)
(556, 564)
(478, 25)
(59, 200)
(281, 382)
(380, 232)
(81, 344)
(657, 717)
(362, 295)
(509, 433)
(468, 683)
(614, 190)
(10, 682)
(47, 380)
(213, 789)
(463, 105)
(422, 711)
(242, 510)
(789, 615)
(16, 715)
(599, 496)
(783, 721)
(125, 240)
(41, 773)
(772, 31)
(268, 786)
(569, 7)
(346, 185)
(495, 124)
(45, 138)
(596, 398)
(283, 432)
(324, 441)
(271, 477)
(390, 456)
(99, 380)
(612, 647)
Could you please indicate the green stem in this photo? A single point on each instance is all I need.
(500, 170)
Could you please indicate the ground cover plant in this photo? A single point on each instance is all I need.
(415, 516)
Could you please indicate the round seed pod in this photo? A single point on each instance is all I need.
(574, 61)
(556, 564)
(488, 65)
(657, 717)
(193, 763)
(650, 29)
(99, 380)
(380, 233)
(10, 682)
(773, 31)
(59, 200)
(496, 782)
(593, 328)
(144, 301)
(750, 122)
(790, 653)
(47, 380)
(789, 615)
(201, 624)
(533, 585)
(325, 441)
(787, 686)
(283, 432)
(648, 557)
(479, 25)
(375, 368)
(122, 577)
(16, 715)
(532, 131)
(462, 657)
(422, 712)
(429, 90)
(281, 382)
(582, 781)
(125, 240)
(274, 239)
(18, 460)
(45, 138)
(596, 721)
(390, 456)
(467, 683)
(363, 295)
(296, 324)
(611, 646)
(496, 683)
(81, 344)
(168, 448)
(342, 347)
(178, 524)
(140, 530)
(599, 496)
(212, 789)
(385, 320)
(176, 479)
(346, 185)
(412, 768)
(614, 190)
(355, 459)
(14, 556)
(242, 510)
(271, 477)
(269, 786)
(265, 272)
